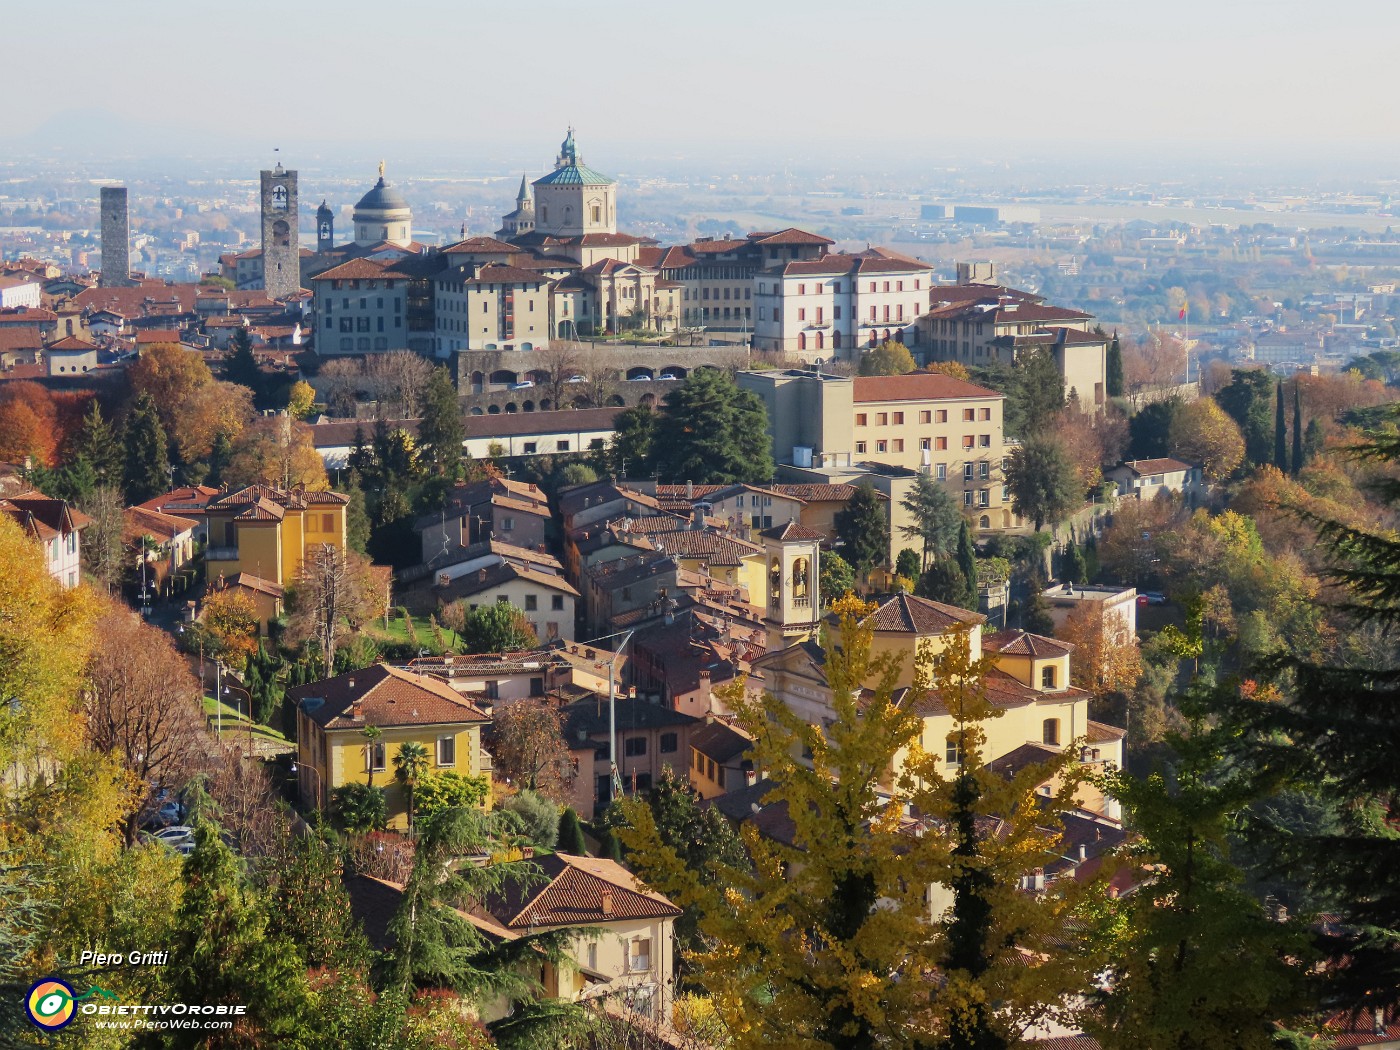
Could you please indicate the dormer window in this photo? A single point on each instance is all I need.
(1047, 677)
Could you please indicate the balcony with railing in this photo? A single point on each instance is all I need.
(220, 554)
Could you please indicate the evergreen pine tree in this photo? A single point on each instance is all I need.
(220, 454)
(1113, 378)
(1280, 432)
(441, 431)
(147, 466)
(357, 525)
(1337, 735)
(863, 530)
(1075, 568)
(96, 443)
(241, 366)
(967, 561)
(1297, 427)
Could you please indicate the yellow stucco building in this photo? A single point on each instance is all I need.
(264, 531)
(333, 750)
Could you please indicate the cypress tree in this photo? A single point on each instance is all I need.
(441, 429)
(99, 446)
(147, 460)
(1114, 369)
(1280, 431)
(1297, 427)
(967, 561)
(571, 834)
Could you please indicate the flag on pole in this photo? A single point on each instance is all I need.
(1181, 314)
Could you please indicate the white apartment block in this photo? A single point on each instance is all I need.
(840, 304)
(491, 307)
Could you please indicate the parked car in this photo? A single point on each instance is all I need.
(1152, 598)
(577, 379)
(173, 834)
(524, 384)
(640, 379)
(669, 375)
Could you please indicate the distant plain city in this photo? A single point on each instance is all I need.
(592, 595)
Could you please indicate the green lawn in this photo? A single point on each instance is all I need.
(234, 722)
(397, 631)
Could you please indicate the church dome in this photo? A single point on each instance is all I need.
(383, 197)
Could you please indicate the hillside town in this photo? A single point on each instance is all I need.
(560, 637)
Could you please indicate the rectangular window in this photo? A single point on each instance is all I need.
(898, 418)
(968, 471)
(801, 289)
(984, 441)
(532, 602)
(861, 419)
(1006, 493)
(952, 752)
(967, 415)
(984, 470)
(984, 497)
(860, 448)
(669, 743)
(556, 602)
(639, 954)
(508, 524)
(897, 445)
(447, 751)
(925, 417)
(836, 313)
(882, 419)
(941, 444)
(968, 441)
(635, 746)
(563, 445)
(801, 313)
(941, 472)
(984, 413)
(967, 498)
(925, 444)
(1050, 728)
(941, 416)
(374, 757)
(881, 446)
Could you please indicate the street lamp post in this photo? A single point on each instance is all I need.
(295, 767)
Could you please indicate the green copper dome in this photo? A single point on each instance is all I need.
(574, 175)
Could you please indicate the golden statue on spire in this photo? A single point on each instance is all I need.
(381, 169)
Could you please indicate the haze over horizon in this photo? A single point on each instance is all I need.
(1281, 85)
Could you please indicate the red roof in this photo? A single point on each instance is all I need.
(72, 344)
(582, 891)
(360, 269)
(1023, 643)
(480, 245)
(791, 235)
(20, 338)
(906, 613)
(384, 696)
(918, 386)
(1144, 467)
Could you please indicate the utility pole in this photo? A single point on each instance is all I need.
(616, 784)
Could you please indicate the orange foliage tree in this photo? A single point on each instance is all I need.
(1106, 657)
(194, 407)
(28, 424)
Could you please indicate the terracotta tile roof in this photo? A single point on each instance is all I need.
(480, 246)
(908, 614)
(187, 500)
(147, 336)
(702, 544)
(1066, 1042)
(248, 581)
(387, 697)
(1145, 467)
(1003, 690)
(360, 269)
(792, 531)
(819, 493)
(20, 338)
(1099, 733)
(72, 344)
(791, 235)
(720, 741)
(917, 386)
(1023, 643)
(26, 315)
(494, 575)
(581, 891)
(43, 517)
(497, 273)
(139, 521)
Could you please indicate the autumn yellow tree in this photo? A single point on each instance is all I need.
(194, 407)
(828, 941)
(277, 449)
(300, 399)
(1201, 432)
(229, 626)
(956, 369)
(1106, 656)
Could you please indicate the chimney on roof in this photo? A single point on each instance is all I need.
(689, 490)
(607, 901)
(750, 777)
(356, 714)
(1083, 853)
(481, 574)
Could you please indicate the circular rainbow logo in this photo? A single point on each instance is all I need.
(50, 1004)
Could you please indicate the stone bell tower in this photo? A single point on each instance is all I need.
(794, 568)
(325, 228)
(280, 244)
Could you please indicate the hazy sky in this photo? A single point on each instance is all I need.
(1217, 77)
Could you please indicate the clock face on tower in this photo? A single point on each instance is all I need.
(279, 197)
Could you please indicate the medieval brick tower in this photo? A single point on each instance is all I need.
(280, 245)
(116, 237)
(325, 228)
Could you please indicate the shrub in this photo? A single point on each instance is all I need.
(539, 815)
(438, 791)
(359, 808)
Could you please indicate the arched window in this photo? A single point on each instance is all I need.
(820, 341)
(802, 340)
(800, 576)
(984, 522)
(1050, 732)
(775, 578)
(836, 340)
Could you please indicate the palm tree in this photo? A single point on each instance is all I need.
(372, 735)
(410, 765)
